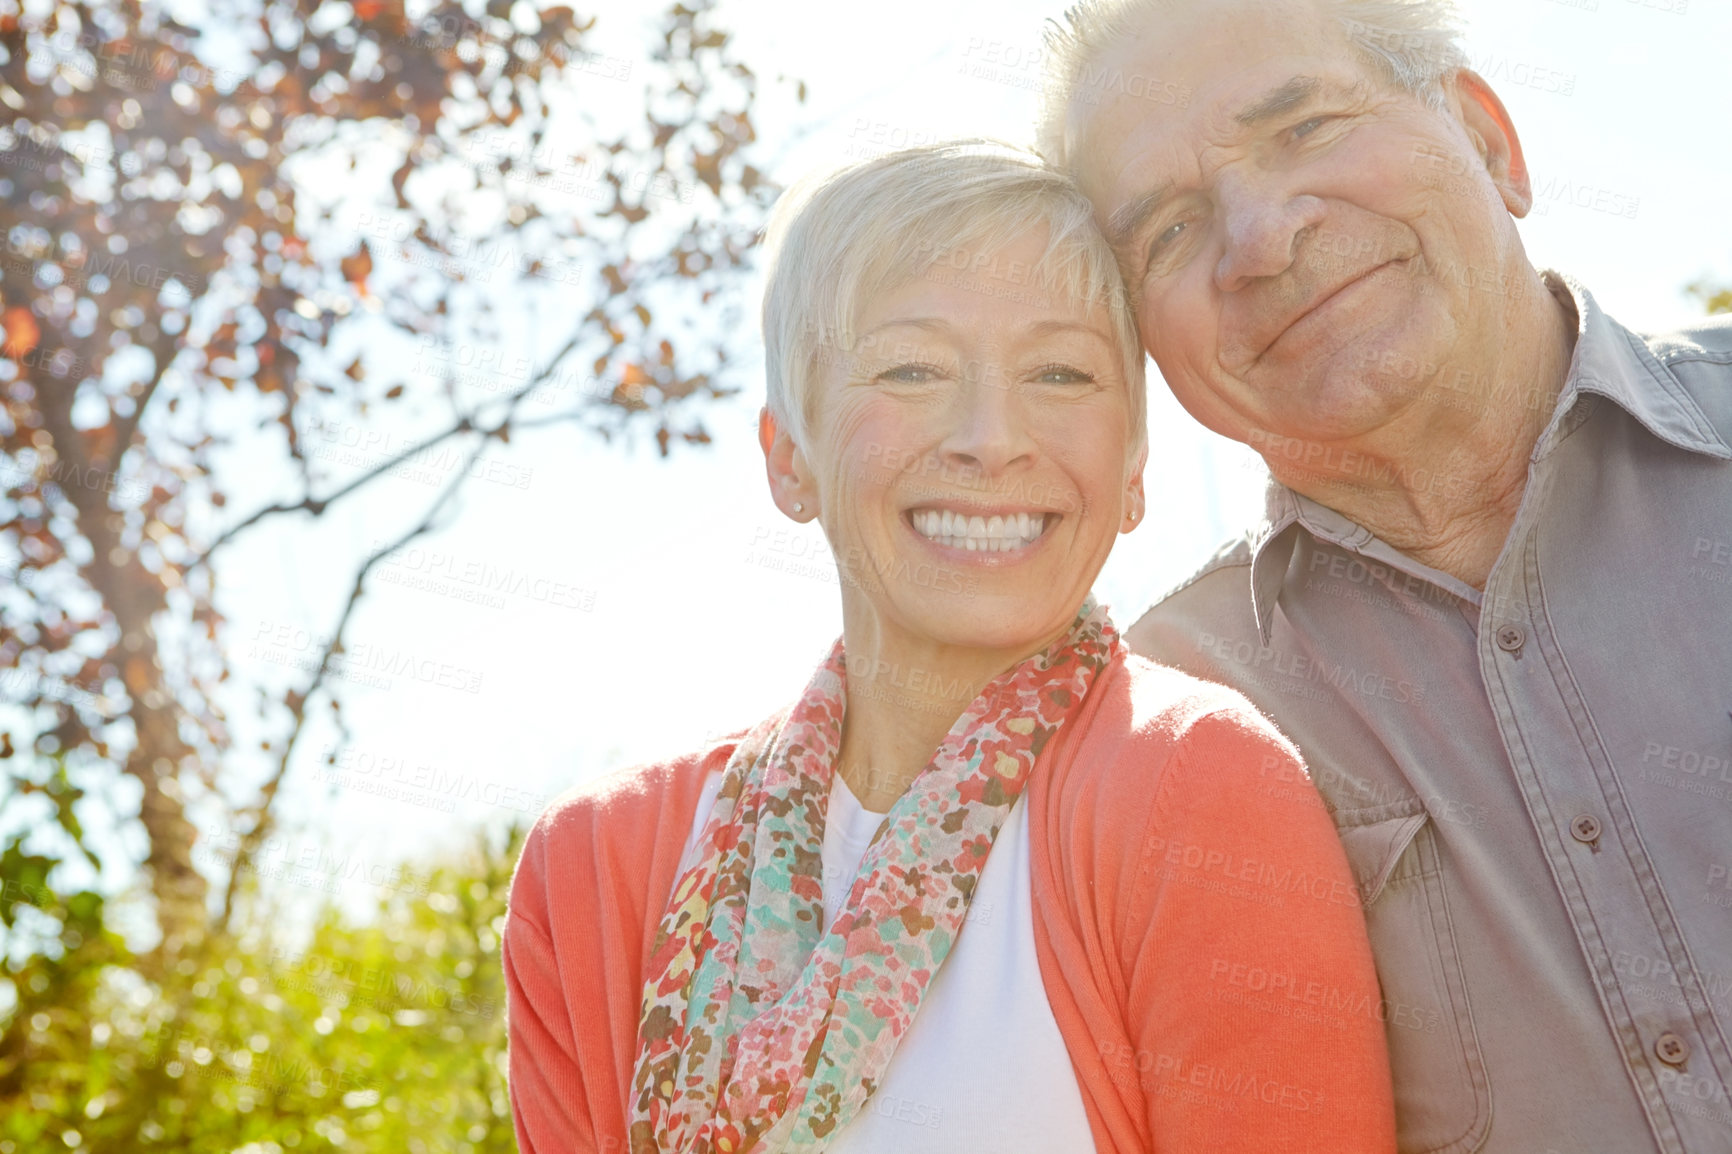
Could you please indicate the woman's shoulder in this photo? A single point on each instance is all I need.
(641, 787)
(1151, 712)
(619, 824)
(1158, 741)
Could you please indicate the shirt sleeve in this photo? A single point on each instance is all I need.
(1255, 1017)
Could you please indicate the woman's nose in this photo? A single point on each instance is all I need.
(988, 427)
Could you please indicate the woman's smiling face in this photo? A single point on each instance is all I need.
(969, 455)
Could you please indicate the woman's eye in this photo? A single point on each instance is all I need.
(911, 374)
(1063, 375)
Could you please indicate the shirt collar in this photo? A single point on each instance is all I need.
(1609, 361)
(1615, 363)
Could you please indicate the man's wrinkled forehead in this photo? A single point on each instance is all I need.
(1238, 74)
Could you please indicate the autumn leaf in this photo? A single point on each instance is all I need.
(358, 267)
(22, 332)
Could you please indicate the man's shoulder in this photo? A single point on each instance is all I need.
(1217, 593)
(1699, 360)
(1707, 343)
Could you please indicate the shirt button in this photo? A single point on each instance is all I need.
(1586, 829)
(1511, 638)
(1672, 1050)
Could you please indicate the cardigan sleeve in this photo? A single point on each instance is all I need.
(1253, 1008)
(586, 899)
(549, 1106)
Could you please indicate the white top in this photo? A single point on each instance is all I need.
(983, 1067)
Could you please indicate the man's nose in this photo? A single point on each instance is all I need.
(1263, 222)
(988, 433)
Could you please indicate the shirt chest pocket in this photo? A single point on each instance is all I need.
(1442, 1097)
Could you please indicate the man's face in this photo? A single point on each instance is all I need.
(1311, 250)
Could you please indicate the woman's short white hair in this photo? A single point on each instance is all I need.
(837, 239)
(1413, 43)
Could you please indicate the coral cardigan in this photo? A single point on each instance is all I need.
(1198, 932)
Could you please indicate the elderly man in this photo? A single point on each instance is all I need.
(1492, 598)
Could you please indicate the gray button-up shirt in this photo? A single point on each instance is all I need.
(1533, 784)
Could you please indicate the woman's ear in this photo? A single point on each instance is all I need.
(1136, 506)
(785, 466)
(1493, 133)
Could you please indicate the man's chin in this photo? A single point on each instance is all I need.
(1335, 402)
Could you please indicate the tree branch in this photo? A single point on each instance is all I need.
(298, 703)
(317, 505)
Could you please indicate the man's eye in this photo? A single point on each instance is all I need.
(1173, 233)
(1306, 127)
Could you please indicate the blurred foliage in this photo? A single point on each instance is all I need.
(1716, 298)
(220, 239)
(385, 1034)
(190, 240)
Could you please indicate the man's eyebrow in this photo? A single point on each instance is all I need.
(1129, 220)
(1293, 94)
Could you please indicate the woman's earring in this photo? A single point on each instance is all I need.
(1133, 514)
(799, 508)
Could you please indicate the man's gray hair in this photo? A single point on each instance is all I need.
(943, 211)
(1414, 43)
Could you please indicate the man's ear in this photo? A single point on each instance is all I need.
(1493, 132)
(785, 466)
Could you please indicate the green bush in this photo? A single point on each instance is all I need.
(383, 1033)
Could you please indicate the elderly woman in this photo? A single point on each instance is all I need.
(990, 883)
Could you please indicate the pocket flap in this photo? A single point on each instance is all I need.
(1375, 847)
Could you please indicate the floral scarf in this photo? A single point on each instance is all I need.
(762, 1034)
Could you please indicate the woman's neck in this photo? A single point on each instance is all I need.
(903, 696)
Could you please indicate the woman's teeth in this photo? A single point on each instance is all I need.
(980, 534)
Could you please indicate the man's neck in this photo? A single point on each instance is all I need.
(1446, 486)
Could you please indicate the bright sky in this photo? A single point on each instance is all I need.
(689, 606)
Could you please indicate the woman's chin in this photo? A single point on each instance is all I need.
(989, 621)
